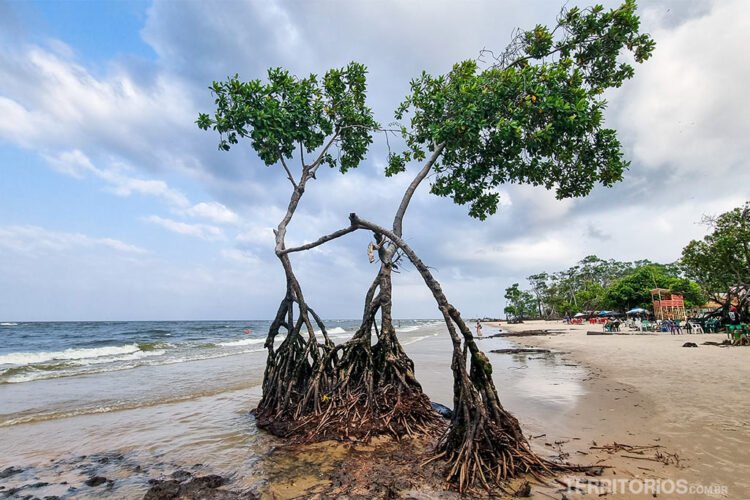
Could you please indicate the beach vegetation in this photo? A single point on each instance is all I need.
(720, 262)
(595, 284)
(304, 120)
(634, 289)
(520, 303)
(530, 114)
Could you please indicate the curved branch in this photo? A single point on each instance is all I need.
(321, 240)
(399, 218)
(397, 241)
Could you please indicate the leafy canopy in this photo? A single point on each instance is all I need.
(287, 113)
(634, 289)
(520, 303)
(720, 261)
(595, 284)
(534, 117)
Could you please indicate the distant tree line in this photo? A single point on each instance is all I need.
(598, 284)
(715, 268)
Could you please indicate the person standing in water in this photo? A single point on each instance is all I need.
(479, 329)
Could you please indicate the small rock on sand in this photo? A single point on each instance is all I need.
(96, 481)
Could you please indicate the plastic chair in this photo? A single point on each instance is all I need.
(696, 328)
(711, 325)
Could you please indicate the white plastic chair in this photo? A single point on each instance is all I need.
(696, 328)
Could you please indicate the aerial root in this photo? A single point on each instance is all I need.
(491, 463)
(360, 415)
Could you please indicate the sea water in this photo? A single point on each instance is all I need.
(162, 396)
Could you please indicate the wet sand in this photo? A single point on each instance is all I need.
(648, 389)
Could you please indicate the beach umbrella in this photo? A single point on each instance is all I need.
(604, 313)
(580, 315)
(637, 310)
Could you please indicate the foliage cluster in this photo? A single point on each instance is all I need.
(535, 116)
(598, 284)
(289, 113)
(720, 262)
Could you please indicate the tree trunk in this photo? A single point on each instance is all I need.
(484, 443)
(374, 390)
(302, 367)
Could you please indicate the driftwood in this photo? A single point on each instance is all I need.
(520, 351)
(659, 455)
(525, 333)
(726, 343)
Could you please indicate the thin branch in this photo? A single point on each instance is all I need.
(398, 220)
(288, 172)
(321, 240)
(313, 167)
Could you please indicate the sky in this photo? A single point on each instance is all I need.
(115, 206)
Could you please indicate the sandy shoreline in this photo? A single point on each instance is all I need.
(648, 389)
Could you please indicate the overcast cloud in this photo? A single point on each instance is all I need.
(113, 205)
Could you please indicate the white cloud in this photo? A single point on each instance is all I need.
(37, 241)
(67, 104)
(540, 205)
(687, 106)
(518, 254)
(241, 256)
(213, 211)
(129, 125)
(76, 164)
(202, 231)
(257, 235)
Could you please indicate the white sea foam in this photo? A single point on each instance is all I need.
(27, 358)
(8, 324)
(337, 331)
(126, 357)
(237, 343)
(407, 329)
(99, 366)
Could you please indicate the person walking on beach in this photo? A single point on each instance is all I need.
(479, 329)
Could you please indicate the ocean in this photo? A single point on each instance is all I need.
(134, 401)
(37, 351)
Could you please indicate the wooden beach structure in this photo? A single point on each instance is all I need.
(668, 305)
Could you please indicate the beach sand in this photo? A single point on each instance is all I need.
(648, 389)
